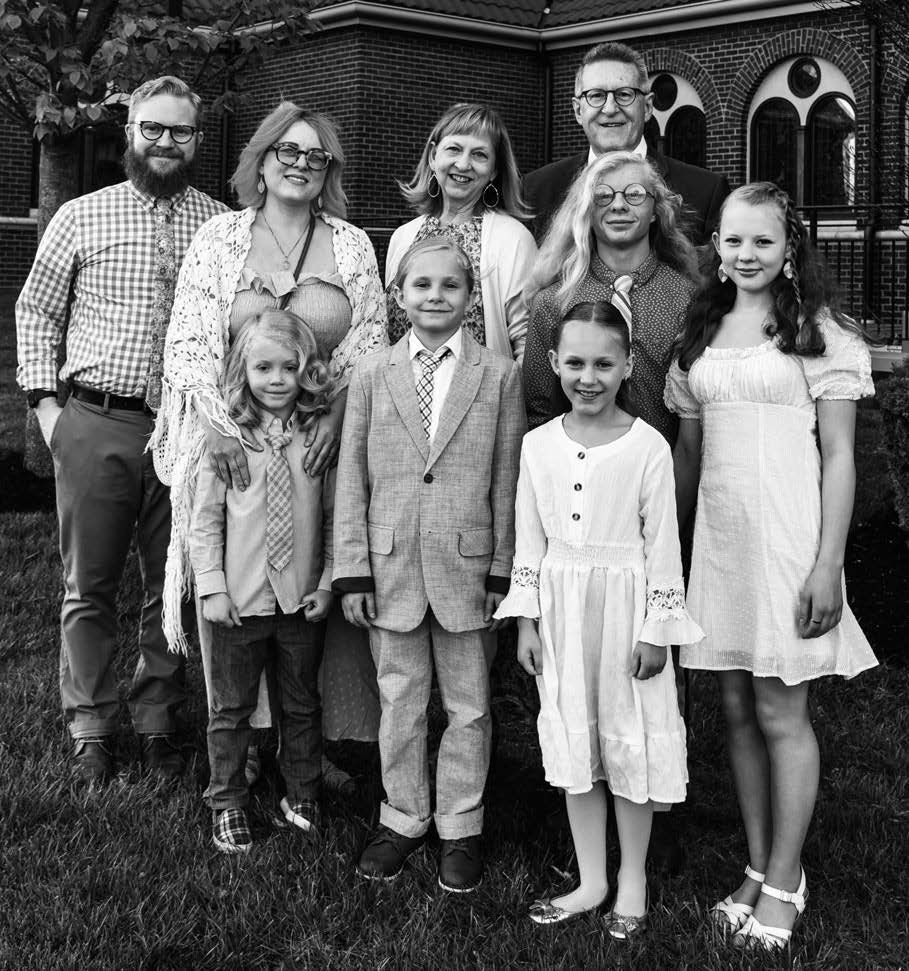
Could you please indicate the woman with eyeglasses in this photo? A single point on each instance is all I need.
(467, 187)
(290, 247)
(615, 237)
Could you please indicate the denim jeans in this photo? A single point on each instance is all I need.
(238, 658)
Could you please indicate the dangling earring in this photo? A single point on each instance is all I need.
(260, 186)
(486, 202)
(433, 181)
(788, 270)
(319, 203)
(721, 273)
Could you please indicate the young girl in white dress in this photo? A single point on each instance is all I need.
(597, 587)
(765, 384)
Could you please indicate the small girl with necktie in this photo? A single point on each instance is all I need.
(262, 559)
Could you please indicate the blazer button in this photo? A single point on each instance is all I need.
(427, 477)
(575, 516)
(580, 455)
(577, 487)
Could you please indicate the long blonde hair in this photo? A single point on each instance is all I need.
(291, 332)
(569, 244)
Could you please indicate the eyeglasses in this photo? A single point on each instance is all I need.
(596, 97)
(153, 130)
(289, 154)
(633, 194)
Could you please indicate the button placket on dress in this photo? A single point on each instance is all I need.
(579, 466)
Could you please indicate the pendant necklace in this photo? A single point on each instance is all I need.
(286, 254)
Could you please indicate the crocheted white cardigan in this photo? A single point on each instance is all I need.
(197, 342)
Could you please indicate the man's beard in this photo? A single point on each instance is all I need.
(140, 173)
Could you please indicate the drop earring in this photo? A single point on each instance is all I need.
(788, 270)
(260, 186)
(721, 273)
(433, 183)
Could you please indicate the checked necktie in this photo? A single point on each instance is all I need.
(620, 297)
(430, 364)
(279, 523)
(163, 301)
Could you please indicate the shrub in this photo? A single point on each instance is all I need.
(893, 396)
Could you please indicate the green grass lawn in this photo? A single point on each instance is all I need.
(127, 878)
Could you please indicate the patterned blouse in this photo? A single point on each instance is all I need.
(659, 296)
(467, 235)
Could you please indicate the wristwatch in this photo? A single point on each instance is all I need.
(33, 397)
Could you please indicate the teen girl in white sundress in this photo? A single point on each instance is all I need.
(597, 587)
(765, 385)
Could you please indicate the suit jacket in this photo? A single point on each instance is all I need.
(428, 525)
(702, 191)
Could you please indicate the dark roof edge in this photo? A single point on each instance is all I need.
(690, 16)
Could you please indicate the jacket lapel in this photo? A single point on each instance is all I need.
(403, 390)
(465, 383)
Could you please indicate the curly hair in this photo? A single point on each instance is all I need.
(803, 294)
(569, 244)
(469, 119)
(291, 332)
(272, 127)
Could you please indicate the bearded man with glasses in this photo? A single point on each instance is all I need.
(103, 280)
(612, 103)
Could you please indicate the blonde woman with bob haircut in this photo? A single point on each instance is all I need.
(616, 237)
(290, 247)
(467, 187)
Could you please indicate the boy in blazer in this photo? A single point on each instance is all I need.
(424, 516)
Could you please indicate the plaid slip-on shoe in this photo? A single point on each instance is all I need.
(230, 832)
(305, 814)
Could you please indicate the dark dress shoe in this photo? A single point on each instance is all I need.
(92, 760)
(461, 864)
(385, 853)
(162, 757)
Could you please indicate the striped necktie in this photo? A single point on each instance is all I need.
(430, 364)
(163, 300)
(620, 298)
(279, 523)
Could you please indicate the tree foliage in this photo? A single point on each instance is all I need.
(62, 64)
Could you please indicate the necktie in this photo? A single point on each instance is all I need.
(279, 523)
(620, 297)
(163, 301)
(430, 364)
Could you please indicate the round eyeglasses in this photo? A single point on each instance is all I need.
(153, 130)
(634, 194)
(289, 154)
(596, 97)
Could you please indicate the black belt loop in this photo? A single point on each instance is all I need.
(106, 402)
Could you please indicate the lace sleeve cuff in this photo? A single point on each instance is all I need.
(523, 598)
(668, 621)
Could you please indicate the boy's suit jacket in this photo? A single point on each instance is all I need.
(428, 525)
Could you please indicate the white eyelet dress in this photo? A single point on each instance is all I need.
(597, 561)
(758, 522)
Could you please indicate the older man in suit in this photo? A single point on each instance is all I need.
(424, 526)
(612, 102)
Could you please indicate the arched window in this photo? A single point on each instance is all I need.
(677, 127)
(831, 152)
(774, 149)
(802, 133)
(686, 136)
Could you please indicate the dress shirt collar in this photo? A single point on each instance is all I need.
(641, 150)
(271, 424)
(147, 201)
(453, 344)
(640, 275)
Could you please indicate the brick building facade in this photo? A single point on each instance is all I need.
(385, 71)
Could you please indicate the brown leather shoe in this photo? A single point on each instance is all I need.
(161, 756)
(461, 864)
(385, 853)
(92, 760)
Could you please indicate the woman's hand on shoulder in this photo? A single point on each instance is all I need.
(323, 441)
(820, 601)
(228, 457)
(647, 660)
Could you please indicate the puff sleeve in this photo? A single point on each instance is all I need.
(677, 394)
(843, 371)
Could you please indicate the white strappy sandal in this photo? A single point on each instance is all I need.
(755, 934)
(730, 915)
